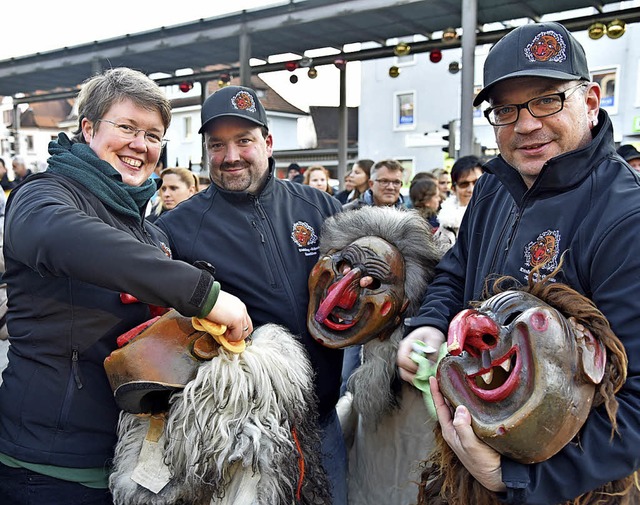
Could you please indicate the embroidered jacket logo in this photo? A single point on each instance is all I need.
(544, 251)
(303, 234)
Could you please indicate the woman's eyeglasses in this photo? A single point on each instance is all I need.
(129, 132)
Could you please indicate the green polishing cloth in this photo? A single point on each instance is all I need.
(426, 369)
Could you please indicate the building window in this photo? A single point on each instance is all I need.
(29, 141)
(407, 174)
(404, 107)
(188, 127)
(607, 78)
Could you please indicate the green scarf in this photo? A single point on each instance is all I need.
(80, 163)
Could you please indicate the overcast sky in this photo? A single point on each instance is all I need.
(32, 26)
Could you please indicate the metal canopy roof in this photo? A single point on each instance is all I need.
(293, 28)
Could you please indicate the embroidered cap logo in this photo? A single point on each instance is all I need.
(243, 101)
(546, 46)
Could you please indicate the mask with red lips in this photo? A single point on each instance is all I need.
(342, 313)
(525, 372)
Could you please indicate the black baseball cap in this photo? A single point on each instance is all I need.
(233, 101)
(534, 50)
(628, 152)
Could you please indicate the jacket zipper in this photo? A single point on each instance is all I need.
(263, 240)
(508, 231)
(278, 257)
(75, 368)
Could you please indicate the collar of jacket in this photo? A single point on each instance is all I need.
(562, 172)
(242, 196)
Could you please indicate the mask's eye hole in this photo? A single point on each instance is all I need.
(511, 318)
(343, 266)
(375, 284)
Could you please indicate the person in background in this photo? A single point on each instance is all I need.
(631, 155)
(557, 191)
(444, 182)
(360, 173)
(425, 198)
(343, 195)
(464, 175)
(425, 175)
(75, 241)
(262, 235)
(178, 184)
(294, 174)
(384, 187)
(317, 177)
(20, 170)
(5, 183)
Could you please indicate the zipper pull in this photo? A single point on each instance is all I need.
(255, 225)
(75, 369)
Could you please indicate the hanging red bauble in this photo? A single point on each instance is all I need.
(340, 63)
(291, 65)
(185, 86)
(435, 56)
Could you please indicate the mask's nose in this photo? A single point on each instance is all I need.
(473, 332)
(343, 294)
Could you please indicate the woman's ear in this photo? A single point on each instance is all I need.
(87, 129)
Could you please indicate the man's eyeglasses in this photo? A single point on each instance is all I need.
(387, 182)
(540, 106)
(129, 132)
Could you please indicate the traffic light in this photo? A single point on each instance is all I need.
(450, 127)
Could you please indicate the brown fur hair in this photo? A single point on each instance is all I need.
(445, 481)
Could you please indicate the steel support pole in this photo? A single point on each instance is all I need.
(245, 56)
(343, 127)
(469, 24)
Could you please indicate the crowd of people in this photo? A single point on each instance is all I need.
(240, 252)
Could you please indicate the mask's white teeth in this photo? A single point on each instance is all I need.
(487, 377)
(506, 365)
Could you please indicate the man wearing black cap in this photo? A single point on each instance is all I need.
(558, 189)
(261, 235)
(631, 155)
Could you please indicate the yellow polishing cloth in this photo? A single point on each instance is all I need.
(217, 332)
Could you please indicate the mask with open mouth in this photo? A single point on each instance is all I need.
(341, 312)
(526, 373)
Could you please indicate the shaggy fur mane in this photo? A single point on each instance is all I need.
(245, 417)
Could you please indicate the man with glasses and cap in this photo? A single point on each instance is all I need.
(557, 189)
